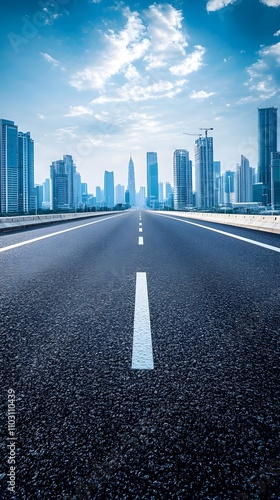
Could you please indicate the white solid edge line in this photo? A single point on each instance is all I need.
(16, 245)
(247, 240)
(142, 350)
(140, 240)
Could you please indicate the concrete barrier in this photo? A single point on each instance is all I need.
(23, 221)
(268, 223)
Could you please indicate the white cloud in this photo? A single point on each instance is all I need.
(121, 50)
(271, 3)
(246, 99)
(64, 134)
(262, 83)
(50, 59)
(201, 94)
(265, 88)
(128, 92)
(42, 117)
(277, 33)
(213, 5)
(272, 50)
(146, 59)
(165, 34)
(131, 73)
(79, 111)
(191, 63)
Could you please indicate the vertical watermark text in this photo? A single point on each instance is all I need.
(11, 441)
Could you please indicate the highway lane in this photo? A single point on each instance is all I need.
(203, 423)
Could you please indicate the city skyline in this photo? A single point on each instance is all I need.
(100, 81)
(213, 188)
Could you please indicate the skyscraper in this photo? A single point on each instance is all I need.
(217, 182)
(169, 197)
(131, 183)
(204, 171)
(59, 186)
(26, 192)
(182, 173)
(119, 194)
(267, 129)
(160, 192)
(99, 196)
(63, 184)
(244, 181)
(275, 181)
(70, 169)
(46, 194)
(77, 190)
(228, 183)
(109, 189)
(8, 166)
(141, 198)
(152, 179)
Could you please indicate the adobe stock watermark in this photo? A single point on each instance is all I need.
(31, 25)
(11, 441)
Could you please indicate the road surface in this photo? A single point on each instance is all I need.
(143, 352)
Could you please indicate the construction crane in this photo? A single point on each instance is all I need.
(206, 130)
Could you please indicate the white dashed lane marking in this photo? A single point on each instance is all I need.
(142, 350)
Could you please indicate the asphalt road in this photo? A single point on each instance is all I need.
(203, 423)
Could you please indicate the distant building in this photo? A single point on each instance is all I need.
(119, 194)
(228, 186)
(99, 196)
(63, 176)
(244, 181)
(109, 196)
(152, 179)
(127, 198)
(160, 192)
(39, 197)
(182, 176)
(260, 193)
(26, 193)
(204, 170)
(131, 183)
(46, 191)
(267, 130)
(77, 190)
(217, 182)
(169, 197)
(168, 190)
(84, 188)
(9, 174)
(275, 180)
(141, 197)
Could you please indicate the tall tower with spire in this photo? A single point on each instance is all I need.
(131, 182)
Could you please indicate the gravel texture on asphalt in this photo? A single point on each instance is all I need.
(204, 424)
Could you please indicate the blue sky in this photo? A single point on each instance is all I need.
(105, 79)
